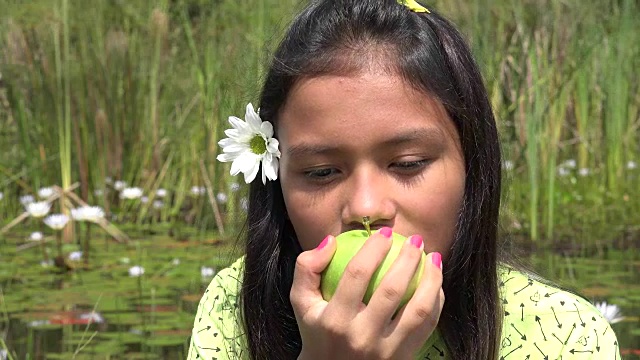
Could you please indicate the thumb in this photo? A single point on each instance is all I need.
(305, 290)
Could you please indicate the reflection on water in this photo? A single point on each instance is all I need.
(106, 311)
(613, 276)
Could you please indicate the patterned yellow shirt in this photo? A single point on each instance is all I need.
(540, 322)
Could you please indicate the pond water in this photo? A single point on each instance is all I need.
(99, 311)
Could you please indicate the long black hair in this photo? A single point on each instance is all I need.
(343, 37)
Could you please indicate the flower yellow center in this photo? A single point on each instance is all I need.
(258, 145)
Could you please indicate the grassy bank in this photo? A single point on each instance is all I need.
(140, 92)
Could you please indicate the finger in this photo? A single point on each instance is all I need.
(357, 274)
(419, 318)
(305, 289)
(394, 285)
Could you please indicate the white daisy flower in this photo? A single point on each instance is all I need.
(36, 236)
(75, 256)
(38, 209)
(87, 213)
(119, 185)
(45, 192)
(136, 271)
(56, 221)
(221, 198)
(26, 199)
(206, 272)
(131, 193)
(610, 312)
(249, 144)
(161, 193)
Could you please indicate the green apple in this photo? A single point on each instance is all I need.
(348, 244)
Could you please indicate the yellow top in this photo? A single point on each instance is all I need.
(540, 322)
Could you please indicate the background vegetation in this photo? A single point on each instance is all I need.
(139, 91)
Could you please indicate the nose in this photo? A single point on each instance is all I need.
(368, 194)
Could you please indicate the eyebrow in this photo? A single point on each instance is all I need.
(431, 135)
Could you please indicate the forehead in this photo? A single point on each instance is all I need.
(357, 108)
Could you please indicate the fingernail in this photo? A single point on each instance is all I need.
(436, 259)
(416, 240)
(386, 231)
(323, 243)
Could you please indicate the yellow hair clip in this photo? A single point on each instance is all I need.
(414, 6)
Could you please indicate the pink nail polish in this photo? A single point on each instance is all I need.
(386, 231)
(416, 240)
(436, 259)
(323, 243)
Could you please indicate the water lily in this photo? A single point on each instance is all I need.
(38, 209)
(507, 165)
(119, 185)
(56, 221)
(157, 204)
(631, 165)
(161, 193)
(75, 255)
(92, 317)
(206, 272)
(198, 190)
(136, 271)
(234, 187)
(221, 198)
(584, 172)
(131, 193)
(36, 236)
(26, 199)
(249, 144)
(610, 312)
(570, 163)
(87, 213)
(45, 192)
(562, 171)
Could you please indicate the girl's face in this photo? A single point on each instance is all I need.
(369, 145)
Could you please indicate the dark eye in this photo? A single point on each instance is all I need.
(408, 166)
(320, 174)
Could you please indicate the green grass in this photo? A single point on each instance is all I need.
(140, 91)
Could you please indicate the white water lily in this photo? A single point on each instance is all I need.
(45, 192)
(234, 187)
(38, 209)
(119, 185)
(198, 190)
(161, 193)
(157, 204)
(221, 198)
(584, 171)
(570, 164)
(26, 200)
(610, 312)
(87, 213)
(36, 236)
(56, 221)
(131, 193)
(206, 272)
(249, 144)
(631, 165)
(136, 271)
(75, 255)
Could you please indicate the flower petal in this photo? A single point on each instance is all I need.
(250, 175)
(242, 163)
(266, 129)
(272, 147)
(238, 123)
(252, 118)
(270, 167)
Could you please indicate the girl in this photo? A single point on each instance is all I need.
(379, 110)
